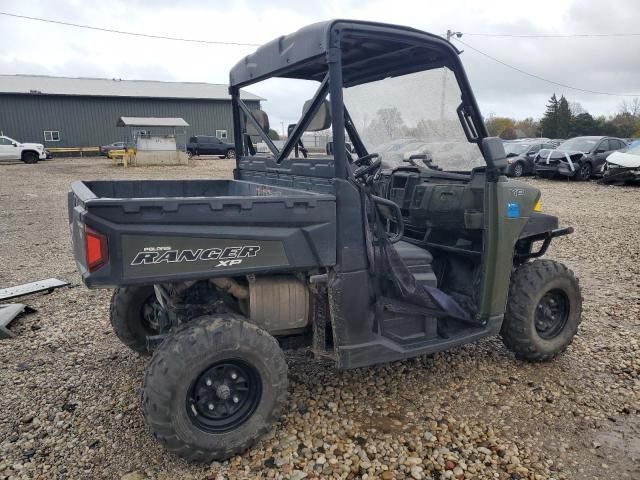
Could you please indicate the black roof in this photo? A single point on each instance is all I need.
(369, 50)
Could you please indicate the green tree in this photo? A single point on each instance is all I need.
(583, 124)
(564, 118)
(497, 125)
(273, 135)
(549, 122)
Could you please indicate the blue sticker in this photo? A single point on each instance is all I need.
(513, 210)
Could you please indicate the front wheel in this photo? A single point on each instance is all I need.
(30, 157)
(543, 311)
(231, 153)
(189, 154)
(214, 387)
(584, 172)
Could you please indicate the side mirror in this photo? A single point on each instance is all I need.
(599, 151)
(493, 151)
(322, 118)
(15, 144)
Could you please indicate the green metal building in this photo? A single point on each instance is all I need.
(82, 112)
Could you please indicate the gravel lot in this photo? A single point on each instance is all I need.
(69, 391)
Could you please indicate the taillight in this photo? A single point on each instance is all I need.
(96, 249)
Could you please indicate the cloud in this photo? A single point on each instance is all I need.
(606, 64)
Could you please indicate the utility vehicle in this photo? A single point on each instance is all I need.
(358, 263)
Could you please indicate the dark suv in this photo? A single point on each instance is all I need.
(579, 157)
(520, 155)
(207, 145)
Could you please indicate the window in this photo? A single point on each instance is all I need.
(534, 149)
(221, 134)
(5, 141)
(604, 146)
(617, 144)
(51, 136)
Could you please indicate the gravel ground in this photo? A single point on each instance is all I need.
(70, 391)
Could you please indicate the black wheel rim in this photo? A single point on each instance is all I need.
(517, 170)
(552, 314)
(224, 396)
(586, 171)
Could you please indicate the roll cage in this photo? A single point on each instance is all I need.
(345, 53)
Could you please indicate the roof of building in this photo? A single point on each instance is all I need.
(104, 87)
(151, 122)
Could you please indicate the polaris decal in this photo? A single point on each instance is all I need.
(225, 257)
(157, 255)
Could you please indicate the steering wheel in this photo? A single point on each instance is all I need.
(366, 165)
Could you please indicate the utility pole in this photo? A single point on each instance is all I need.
(450, 33)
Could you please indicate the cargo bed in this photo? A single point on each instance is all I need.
(158, 231)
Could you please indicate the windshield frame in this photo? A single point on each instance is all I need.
(595, 141)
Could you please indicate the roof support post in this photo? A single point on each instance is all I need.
(334, 61)
(304, 122)
(237, 124)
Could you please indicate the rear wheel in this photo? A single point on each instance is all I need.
(135, 315)
(231, 153)
(585, 171)
(543, 311)
(189, 154)
(214, 387)
(30, 157)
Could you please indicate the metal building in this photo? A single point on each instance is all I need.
(82, 112)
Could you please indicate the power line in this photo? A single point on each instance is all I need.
(584, 90)
(122, 32)
(553, 35)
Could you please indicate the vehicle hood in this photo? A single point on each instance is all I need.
(626, 160)
(559, 154)
(36, 146)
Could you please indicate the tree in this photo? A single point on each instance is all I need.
(528, 126)
(273, 135)
(387, 125)
(497, 125)
(564, 118)
(549, 122)
(632, 108)
(576, 108)
(583, 124)
(509, 133)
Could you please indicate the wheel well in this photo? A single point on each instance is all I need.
(26, 152)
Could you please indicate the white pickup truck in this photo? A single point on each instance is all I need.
(11, 150)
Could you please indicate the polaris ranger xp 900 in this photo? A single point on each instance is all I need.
(411, 242)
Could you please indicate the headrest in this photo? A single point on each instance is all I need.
(263, 120)
(322, 119)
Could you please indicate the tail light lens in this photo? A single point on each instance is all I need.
(96, 249)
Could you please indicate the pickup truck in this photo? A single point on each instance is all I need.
(207, 145)
(11, 150)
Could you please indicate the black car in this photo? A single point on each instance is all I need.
(579, 158)
(520, 156)
(208, 145)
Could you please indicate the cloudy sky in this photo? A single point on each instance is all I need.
(606, 64)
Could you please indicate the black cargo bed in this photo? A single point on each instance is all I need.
(292, 229)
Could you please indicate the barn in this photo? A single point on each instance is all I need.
(82, 112)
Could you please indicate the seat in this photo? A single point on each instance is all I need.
(418, 261)
(412, 255)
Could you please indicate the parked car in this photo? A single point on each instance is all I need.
(579, 158)
(12, 150)
(623, 166)
(207, 145)
(105, 149)
(520, 156)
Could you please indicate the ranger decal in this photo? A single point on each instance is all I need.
(225, 257)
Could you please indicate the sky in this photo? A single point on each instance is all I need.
(607, 64)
